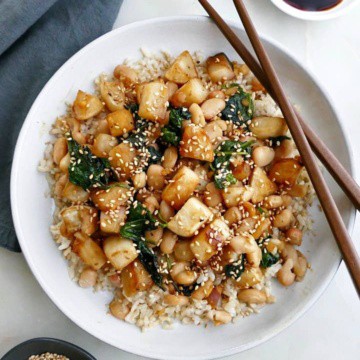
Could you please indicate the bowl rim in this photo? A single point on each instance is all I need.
(13, 192)
(47, 340)
(337, 11)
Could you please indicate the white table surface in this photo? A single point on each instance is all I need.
(331, 328)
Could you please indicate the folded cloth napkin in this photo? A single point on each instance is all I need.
(36, 38)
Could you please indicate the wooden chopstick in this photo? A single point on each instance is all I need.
(332, 164)
(326, 200)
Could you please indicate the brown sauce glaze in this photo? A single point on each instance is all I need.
(313, 5)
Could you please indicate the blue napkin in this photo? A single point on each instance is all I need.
(36, 38)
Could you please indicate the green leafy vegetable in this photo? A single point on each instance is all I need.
(221, 164)
(149, 260)
(169, 262)
(171, 133)
(228, 86)
(154, 155)
(239, 108)
(184, 290)
(138, 221)
(138, 137)
(85, 169)
(261, 210)
(224, 178)
(177, 115)
(268, 259)
(275, 141)
(235, 269)
(170, 137)
(227, 149)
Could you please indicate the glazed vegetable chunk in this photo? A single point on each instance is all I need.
(121, 252)
(111, 198)
(122, 158)
(262, 185)
(80, 218)
(190, 218)
(233, 195)
(103, 143)
(181, 188)
(74, 193)
(111, 221)
(86, 106)
(250, 277)
(265, 127)
(153, 101)
(120, 122)
(196, 144)
(182, 70)
(126, 74)
(89, 251)
(285, 171)
(298, 190)
(192, 92)
(219, 68)
(113, 94)
(210, 240)
(182, 251)
(135, 278)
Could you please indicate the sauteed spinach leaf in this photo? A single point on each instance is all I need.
(239, 108)
(85, 169)
(171, 133)
(235, 269)
(221, 164)
(138, 221)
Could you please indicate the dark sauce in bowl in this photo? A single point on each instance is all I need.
(313, 5)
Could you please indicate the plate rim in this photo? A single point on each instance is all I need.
(13, 193)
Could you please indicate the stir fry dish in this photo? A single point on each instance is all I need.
(179, 189)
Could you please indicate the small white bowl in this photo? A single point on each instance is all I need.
(32, 210)
(332, 13)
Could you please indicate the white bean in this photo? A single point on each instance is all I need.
(168, 242)
(252, 296)
(212, 107)
(170, 157)
(139, 180)
(285, 276)
(197, 116)
(166, 211)
(263, 155)
(176, 300)
(283, 219)
(155, 177)
(60, 150)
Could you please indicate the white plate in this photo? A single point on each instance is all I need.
(32, 211)
(341, 9)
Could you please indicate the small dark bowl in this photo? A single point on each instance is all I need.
(42, 345)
